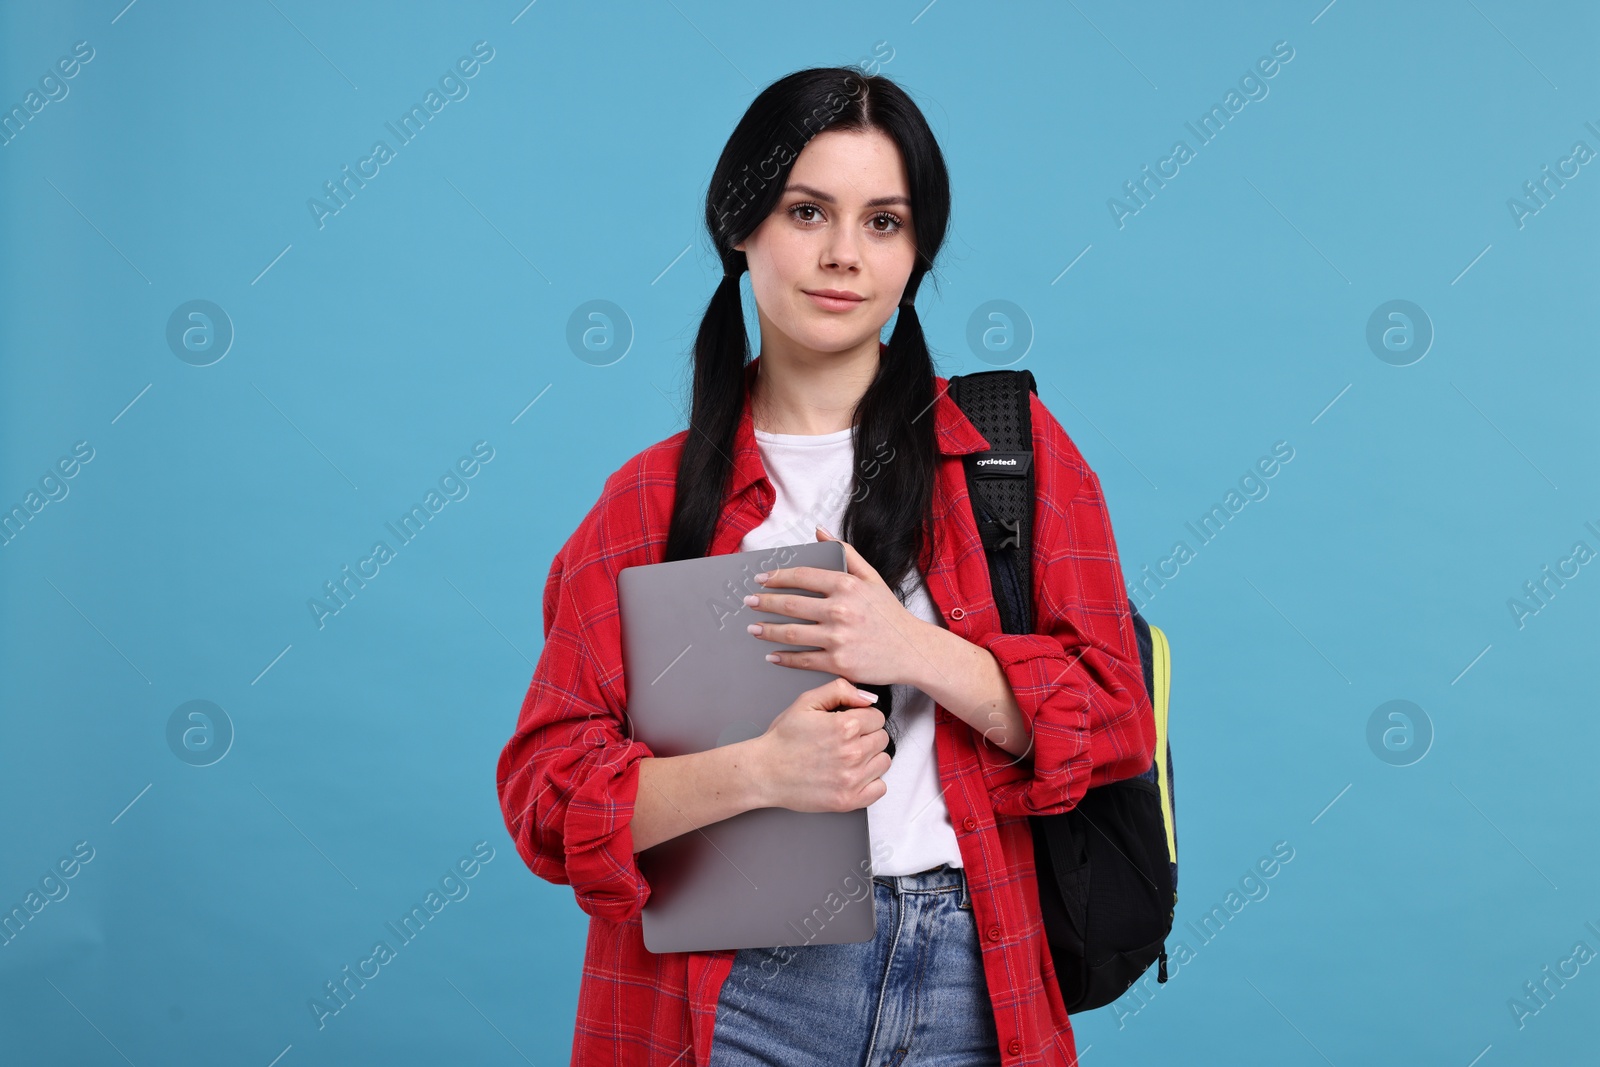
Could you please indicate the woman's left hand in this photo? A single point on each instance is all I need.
(863, 631)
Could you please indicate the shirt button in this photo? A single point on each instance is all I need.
(994, 933)
(957, 614)
(970, 823)
(1014, 1046)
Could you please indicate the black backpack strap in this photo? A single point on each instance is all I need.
(1002, 493)
(1107, 888)
(1000, 484)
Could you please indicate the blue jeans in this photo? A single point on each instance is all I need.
(915, 996)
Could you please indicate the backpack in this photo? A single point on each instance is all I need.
(1107, 869)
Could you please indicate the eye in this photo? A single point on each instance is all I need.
(894, 223)
(888, 216)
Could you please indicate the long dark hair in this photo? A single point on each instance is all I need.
(889, 515)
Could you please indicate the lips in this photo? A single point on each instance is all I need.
(834, 299)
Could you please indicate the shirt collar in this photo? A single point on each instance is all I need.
(954, 434)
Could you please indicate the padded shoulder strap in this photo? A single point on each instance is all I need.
(1000, 484)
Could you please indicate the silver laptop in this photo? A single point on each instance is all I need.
(697, 679)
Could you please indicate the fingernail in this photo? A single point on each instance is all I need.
(864, 695)
(752, 600)
(763, 576)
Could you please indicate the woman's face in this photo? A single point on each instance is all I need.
(843, 224)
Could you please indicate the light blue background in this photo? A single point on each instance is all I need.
(433, 309)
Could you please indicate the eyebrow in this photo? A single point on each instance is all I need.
(818, 194)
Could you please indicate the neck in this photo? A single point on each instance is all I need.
(811, 393)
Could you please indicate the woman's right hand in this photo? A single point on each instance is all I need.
(817, 759)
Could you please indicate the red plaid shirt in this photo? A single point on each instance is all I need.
(568, 777)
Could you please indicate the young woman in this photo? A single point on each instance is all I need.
(832, 192)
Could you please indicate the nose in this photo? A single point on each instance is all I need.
(842, 253)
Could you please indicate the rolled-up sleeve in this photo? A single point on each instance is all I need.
(1077, 677)
(569, 776)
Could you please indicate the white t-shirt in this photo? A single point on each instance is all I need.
(910, 824)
